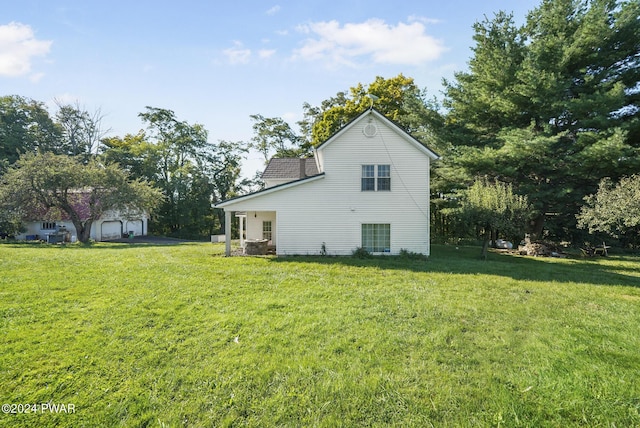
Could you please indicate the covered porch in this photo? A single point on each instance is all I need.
(253, 226)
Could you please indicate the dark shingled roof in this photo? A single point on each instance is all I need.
(289, 169)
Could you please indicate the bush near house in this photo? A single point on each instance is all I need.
(136, 335)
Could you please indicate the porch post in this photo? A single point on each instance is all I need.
(227, 232)
(242, 217)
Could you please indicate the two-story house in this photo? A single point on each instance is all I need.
(366, 186)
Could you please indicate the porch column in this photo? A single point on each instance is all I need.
(241, 231)
(227, 232)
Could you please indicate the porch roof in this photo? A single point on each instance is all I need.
(268, 190)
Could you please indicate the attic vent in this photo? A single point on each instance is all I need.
(370, 130)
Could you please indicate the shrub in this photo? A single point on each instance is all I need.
(361, 253)
(410, 255)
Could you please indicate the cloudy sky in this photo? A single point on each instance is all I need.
(216, 63)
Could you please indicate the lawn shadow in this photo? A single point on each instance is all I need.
(466, 260)
(122, 243)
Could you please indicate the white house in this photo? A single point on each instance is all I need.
(111, 225)
(366, 186)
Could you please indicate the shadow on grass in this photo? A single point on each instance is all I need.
(124, 243)
(467, 261)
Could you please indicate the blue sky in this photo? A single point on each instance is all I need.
(215, 63)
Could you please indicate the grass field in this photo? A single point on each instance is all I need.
(152, 335)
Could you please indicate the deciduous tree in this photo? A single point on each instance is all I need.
(46, 186)
(25, 127)
(614, 209)
(492, 208)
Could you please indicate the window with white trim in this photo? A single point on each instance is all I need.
(48, 225)
(376, 178)
(376, 238)
(266, 230)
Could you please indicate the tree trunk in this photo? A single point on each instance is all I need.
(83, 230)
(485, 248)
(537, 226)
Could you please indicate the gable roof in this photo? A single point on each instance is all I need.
(397, 128)
(289, 169)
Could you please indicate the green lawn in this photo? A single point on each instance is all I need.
(135, 335)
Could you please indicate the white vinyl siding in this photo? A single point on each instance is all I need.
(332, 209)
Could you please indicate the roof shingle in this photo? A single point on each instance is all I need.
(289, 169)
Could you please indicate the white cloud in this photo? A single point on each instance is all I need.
(266, 53)
(238, 54)
(18, 46)
(275, 9)
(404, 44)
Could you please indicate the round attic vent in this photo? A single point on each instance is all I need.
(370, 130)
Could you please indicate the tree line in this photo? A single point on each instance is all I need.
(539, 134)
(171, 156)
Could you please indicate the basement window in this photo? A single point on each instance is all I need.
(376, 238)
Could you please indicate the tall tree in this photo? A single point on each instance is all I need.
(551, 107)
(46, 185)
(483, 101)
(398, 98)
(81, 130)
(25, 127)
(272, 136)
(179, 148)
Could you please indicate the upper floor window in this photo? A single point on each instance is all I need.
(376, 178)
(47, 225)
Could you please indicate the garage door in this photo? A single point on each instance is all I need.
(134, 226)
(110, 230)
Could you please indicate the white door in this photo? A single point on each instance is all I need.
(110, 230)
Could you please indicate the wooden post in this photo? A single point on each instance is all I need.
(227, 232)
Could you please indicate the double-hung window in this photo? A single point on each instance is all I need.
(267, 231)
(368, 177)
(376, 238)
(376, 178)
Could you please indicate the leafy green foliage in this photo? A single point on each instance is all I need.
(551, 107)
(44, 186)
(493, 208)
(25, 127)
(398, 98)
(192, 173)
(80, 131)
(614, 209)
(361, 253)
(273, 137)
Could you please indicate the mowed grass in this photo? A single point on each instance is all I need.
(135, 335)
